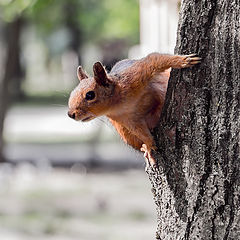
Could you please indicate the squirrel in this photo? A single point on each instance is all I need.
(131, 96)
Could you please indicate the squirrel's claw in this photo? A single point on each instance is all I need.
(150, 161)
(190, 60)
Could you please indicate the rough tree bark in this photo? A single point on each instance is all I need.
(197, 186)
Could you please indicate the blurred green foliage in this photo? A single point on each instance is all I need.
(97, 19)
(10, 9)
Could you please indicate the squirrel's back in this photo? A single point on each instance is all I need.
(121, 66)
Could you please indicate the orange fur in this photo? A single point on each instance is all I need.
(131, 96)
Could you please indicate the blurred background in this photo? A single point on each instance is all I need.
(61, 179)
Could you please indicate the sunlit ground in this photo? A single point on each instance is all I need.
(59, 204)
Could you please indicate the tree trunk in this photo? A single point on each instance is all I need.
(14, 72)
(10, 85)
(2, 116)
(197, 185)
(72, 10)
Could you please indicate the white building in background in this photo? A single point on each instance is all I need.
(158, 27)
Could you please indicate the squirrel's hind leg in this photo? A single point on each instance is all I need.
(139, 139)
(143, 133)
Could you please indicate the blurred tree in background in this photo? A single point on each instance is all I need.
(12, 69)
(60, 26)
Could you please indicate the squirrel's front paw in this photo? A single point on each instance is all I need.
(190, 60)
(150, 161)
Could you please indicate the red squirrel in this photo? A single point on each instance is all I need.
(131, 96)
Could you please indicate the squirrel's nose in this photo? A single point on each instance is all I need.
(71, 114)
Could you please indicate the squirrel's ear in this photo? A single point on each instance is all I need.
(81, 73)
(100, 74)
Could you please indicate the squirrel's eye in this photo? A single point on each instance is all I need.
(90, 95)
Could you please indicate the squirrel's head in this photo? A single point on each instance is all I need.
(93, 95)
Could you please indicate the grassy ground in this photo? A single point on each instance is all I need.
(69, 205)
